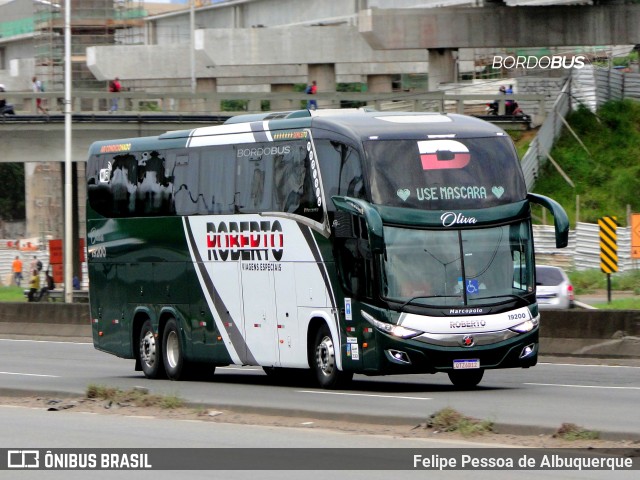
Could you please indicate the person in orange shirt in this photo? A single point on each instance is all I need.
(17, 270)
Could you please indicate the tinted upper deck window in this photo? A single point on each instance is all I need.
(444, 173)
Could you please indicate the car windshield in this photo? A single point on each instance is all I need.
(443, 268)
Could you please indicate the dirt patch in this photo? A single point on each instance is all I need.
(61, 406)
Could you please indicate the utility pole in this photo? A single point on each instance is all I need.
(68, 213)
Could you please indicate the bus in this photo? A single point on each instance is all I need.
(328, 243)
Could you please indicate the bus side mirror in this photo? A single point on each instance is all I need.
(560, 218)
(361, 208)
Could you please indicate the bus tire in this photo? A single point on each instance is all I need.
(150, 352)
(172, 355)
(466, 379)
(324, 365)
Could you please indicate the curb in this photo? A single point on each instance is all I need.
(409, 422)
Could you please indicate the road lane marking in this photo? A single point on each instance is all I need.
(242, 369)
(585, 365)
(363, 395)
(43, 341)
(29, 374)
(581, 386)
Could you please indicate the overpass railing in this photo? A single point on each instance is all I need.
(252, 102)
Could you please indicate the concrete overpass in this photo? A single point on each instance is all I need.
(38, 140)
(443, 31)
(270, 46)
(500, 26)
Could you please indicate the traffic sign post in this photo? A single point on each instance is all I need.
(608, 249)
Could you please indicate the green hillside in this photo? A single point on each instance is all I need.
(607, 179)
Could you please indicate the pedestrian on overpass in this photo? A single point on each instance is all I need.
(312, 89)
(114, 87)
(38, 87)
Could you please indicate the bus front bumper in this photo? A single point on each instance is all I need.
(392, 355)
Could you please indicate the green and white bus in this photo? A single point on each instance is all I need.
(334, 241)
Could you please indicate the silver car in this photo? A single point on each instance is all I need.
(553, 288)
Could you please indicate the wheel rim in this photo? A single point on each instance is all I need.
(172, 349)
(325, 356)
(148, 348)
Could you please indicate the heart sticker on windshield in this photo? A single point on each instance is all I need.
(498, 191)
(403, 193)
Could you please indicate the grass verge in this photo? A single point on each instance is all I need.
(136, 397)
(450, 420)
(572, 432)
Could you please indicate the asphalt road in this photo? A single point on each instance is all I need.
(603, 398)
(37, 429)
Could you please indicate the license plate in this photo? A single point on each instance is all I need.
(466, 364)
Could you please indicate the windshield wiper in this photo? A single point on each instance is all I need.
(508, 295)
(427, 297)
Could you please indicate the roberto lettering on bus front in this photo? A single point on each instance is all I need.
(245, 240)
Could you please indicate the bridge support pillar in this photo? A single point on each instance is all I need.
(379, 84)
(442, 66)
(203, 85)
(283, 105)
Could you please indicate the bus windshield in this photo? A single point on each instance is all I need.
(443, 268)
(439, 174)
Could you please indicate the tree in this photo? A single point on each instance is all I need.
(12, 205)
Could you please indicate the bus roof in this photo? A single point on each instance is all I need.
(360, 124)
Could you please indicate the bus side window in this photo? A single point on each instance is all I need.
(341, 169)
(254, 182)
(123, 184)
(98, 191)
(217, 179)
(186, 194)
(289, 176)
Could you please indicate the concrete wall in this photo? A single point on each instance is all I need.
(256, 55)
(501, 26)
(591, 333)
(583, 333)
(50, 320)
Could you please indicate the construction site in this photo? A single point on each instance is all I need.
(93, 22)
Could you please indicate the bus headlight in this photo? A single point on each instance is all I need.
(395, 330)
(527, 326)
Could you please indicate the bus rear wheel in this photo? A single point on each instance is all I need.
(325, 367)
(466, 379)
(173, 357)
(150, 352)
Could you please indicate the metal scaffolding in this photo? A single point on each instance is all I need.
(93, 23)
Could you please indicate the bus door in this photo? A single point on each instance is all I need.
(259, 312)
(290, 351)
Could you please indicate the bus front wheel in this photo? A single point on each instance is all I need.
(150, 352)
(466, 378)
(325, 366)
(172, 350)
